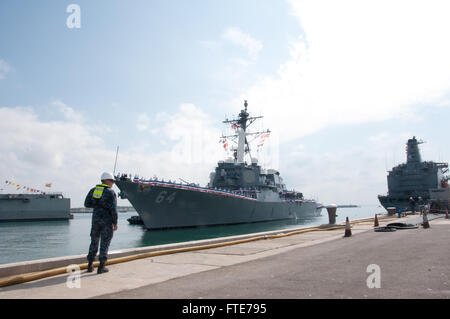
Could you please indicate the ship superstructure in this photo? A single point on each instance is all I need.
(236, 174)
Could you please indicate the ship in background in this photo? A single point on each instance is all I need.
(34, 207)
(238, 192)
(415, 178)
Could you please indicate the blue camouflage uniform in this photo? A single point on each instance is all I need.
(104, 201)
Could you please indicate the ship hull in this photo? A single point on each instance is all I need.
(27, 207)
(400, 204)
(174, 206)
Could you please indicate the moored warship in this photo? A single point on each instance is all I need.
(238, 192)
(34, 207)
(415, 178)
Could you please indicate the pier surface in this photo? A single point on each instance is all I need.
(413, 263)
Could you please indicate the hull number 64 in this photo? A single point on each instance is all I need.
(163, 195)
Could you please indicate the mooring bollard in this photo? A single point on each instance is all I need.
(391, 211)
(331, 209)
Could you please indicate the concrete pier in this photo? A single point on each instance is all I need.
(412, 263)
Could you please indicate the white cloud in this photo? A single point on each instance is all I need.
(195, 139)
(355, 174)
(240, 38)
(143, 122)
(379, 137)
(4, 69)
(357, 62)
(36, 152)
(71, 155)
(68, 113)
(210, 45)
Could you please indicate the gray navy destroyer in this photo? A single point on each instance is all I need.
(415, 178)
(31, 207)
(238, 192)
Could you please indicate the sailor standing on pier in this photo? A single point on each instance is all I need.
(104, 220)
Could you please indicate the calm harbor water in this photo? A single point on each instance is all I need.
(23, 241)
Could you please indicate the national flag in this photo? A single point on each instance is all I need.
(263, 139)
(225, 143)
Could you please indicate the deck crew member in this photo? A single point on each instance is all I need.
(420, 203)
(412, 204)
(104, 220)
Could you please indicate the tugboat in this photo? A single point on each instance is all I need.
(135, 220)
(238, 192)
(412, 182)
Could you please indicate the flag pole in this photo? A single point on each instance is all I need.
(115, 163)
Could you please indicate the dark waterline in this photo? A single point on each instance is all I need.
(23, 241)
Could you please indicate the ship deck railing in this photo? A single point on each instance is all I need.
(241, 193)
(21, 195)
(199, 188)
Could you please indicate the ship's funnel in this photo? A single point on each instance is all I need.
(412, 151)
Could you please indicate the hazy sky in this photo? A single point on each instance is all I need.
(341, 84)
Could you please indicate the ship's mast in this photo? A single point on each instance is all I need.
(241, 124)
(242, 140)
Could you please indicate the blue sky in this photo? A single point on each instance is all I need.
(132, 58)
(141, 56)
(342, 86)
